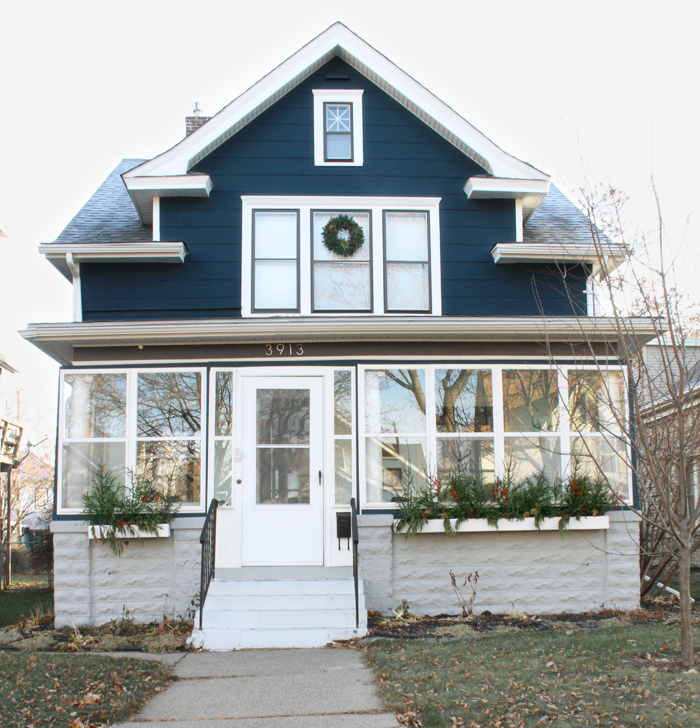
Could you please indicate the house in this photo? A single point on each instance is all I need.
(332, 289)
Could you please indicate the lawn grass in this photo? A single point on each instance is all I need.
(573, 677)
(16, 602)
(49, 691)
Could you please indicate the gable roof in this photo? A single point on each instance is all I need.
(109, 215)
(339, 41)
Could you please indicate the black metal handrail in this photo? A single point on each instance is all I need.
(355, 541)
(208, 540)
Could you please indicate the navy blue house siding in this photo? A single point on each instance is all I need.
(274, 155)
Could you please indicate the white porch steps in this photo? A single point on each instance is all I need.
(261, 608)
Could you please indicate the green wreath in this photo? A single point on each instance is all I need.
(344, 247)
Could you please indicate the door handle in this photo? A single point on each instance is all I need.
(320, 478)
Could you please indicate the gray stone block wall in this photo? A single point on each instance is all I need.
(533, 572)
(153, 576)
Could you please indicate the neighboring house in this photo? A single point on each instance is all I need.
(220, 347)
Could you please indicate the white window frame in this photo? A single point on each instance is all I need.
(338, 96)
(376, 206)
(132, 430)
(565, 433)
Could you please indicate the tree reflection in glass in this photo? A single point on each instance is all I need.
(169, 404)
(596, 401)
(531, 400)
(95, 405)
(395, 400)
(463, 400)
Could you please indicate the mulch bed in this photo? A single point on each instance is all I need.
(653, 611)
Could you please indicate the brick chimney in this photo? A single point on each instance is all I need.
(192, 123)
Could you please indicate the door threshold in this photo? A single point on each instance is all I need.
(283, 573)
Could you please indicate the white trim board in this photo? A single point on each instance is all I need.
(341, 96)
(604, 259)
(156, 252)
(338, 41)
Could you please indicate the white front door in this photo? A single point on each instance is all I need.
(282, 471)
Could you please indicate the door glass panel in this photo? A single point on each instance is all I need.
(283, 416)
(283, 475)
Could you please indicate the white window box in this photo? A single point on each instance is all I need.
(481, 525)
(104, 532)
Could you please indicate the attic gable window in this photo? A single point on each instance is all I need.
(338, 136)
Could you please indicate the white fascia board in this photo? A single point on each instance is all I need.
(483, 188)
(604, 260)
(159, 252)
(337, 40)
(58, 340)
(143, 190)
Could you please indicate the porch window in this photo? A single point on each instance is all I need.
(597, 410)
(343, 436)
(531, 409)
(147, 422)
(489, 422)
(223, 437)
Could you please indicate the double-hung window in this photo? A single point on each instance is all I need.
(288, 267)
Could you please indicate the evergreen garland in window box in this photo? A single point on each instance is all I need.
(343, 236)
(115, 512)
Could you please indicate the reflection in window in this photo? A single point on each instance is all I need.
(222, 472)
(94, 428)
(169, 404)
(283, 475)
(95, 405)
(283, 416)
(528, 456)
(406, 250)
(472, 457)
(599, 457)
(168, 416)
(596, 401)
(341, 284)
(343, 431)
(530, 400)
(463, 400)
(395, 400)
(394, 464)
(223, 415)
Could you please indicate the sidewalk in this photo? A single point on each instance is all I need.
(319, 688)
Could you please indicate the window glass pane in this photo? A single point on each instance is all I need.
(527, 456)
(224, 404)
(222, 471)
(283, 416)
(343, 471)
(530, 400)
(169, 404)
(463, 400)
(465, 457)
(321, 252)
(342, 385)
(283, 475)
(173, 466)
(337, 117)
(406, 236)
(407, 287)
(338, 146)
(596, 456)
(342, 286)
(276, 284)
(275, 235)
(392, 464)
(80, 463)
(395, 400)
(596, 401)
(95, 405)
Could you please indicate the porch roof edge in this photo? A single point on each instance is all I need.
(58, 340)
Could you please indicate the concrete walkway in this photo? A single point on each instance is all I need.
(319, 688)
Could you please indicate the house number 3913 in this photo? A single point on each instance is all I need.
(284, 349)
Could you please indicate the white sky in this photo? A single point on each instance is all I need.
(606, 90)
